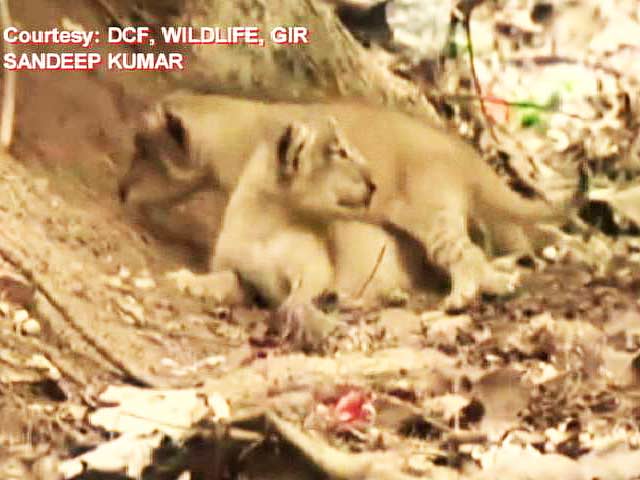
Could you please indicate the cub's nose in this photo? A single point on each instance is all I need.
(371, 189)
(123, 193)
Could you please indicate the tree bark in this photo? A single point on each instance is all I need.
(331, 65)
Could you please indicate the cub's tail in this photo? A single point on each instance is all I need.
(505, 203)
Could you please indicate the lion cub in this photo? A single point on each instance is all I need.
(431, 185)
(274, 230)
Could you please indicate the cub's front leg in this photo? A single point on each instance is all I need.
(222, 287)
(309, 275)
(444, 235)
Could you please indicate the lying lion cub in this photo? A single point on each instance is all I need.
(274, 229)
(430, 184)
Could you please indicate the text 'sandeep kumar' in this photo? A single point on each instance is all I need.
(87, 59)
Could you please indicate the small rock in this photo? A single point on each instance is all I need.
(132, 310)
(124, 272)
(20, 316)
(550, 253)
(42, 363)
(144, 283)
(31, 327)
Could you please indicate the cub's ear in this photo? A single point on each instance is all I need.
(332, 127)
(335, 132)
(333, 124)
(152, 119)
(176, 129)
(290, 148)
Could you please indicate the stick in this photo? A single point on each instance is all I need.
(373, 271)
(532, 105)
(9, 90)
(466, 22)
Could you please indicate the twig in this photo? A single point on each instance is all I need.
(466, 22)
(373, 272)
(508, 103)
(9, 91)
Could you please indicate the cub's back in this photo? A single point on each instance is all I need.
(225, 130)
(408, 157)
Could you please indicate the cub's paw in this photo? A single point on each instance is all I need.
(220, 287)
(467, 284)
(462, 294)
(496, 282)
(303, 325)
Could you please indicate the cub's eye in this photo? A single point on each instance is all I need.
(339, 151)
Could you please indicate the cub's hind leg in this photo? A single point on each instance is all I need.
(444, 235)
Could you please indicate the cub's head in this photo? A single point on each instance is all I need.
(322, 172)
(161, 162)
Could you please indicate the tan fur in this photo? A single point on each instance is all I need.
(274, 231)
(402, 269)
(431, 185)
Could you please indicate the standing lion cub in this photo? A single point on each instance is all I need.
(431, 185)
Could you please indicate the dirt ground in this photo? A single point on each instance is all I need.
(541, 385)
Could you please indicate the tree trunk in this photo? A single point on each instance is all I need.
(331, 65)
